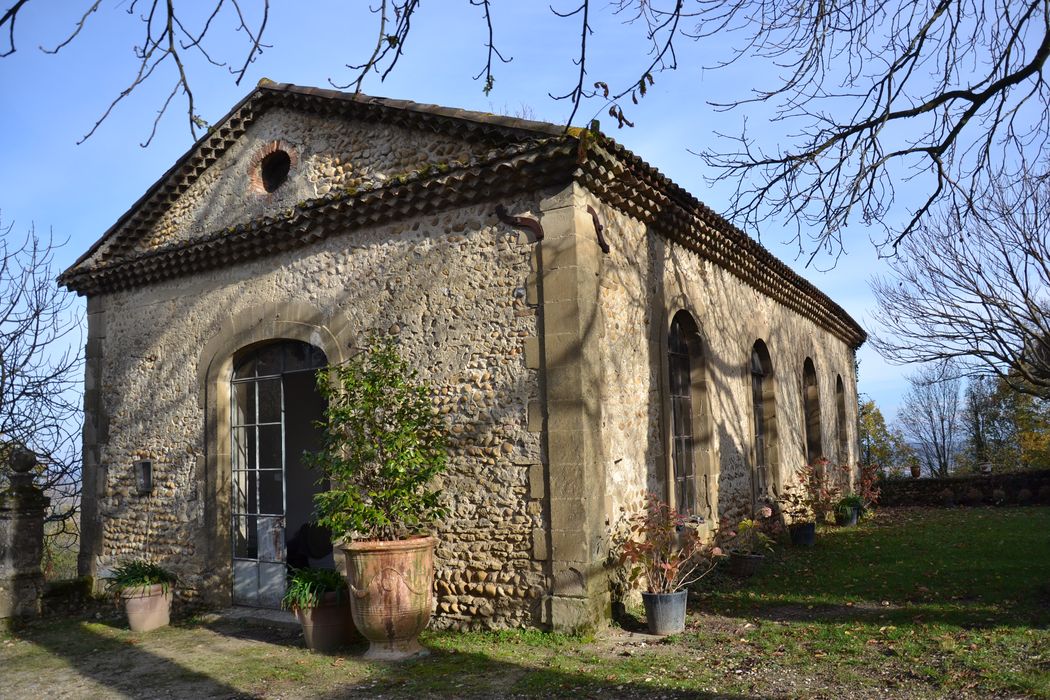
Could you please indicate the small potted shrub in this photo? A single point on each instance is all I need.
(747, 544)
(321, 602)
(848, 509)
(382, 445)
(664, 547)
(821, 493)
(146, 590)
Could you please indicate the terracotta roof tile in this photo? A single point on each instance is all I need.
(527, 156)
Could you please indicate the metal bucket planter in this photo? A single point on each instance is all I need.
(148, 607)
(744, 565)
(390, 594)
(803, 534)
(327, 626)
(665, 612)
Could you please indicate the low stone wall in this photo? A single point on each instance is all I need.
(1014, 488)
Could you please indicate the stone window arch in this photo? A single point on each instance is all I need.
(765, 453)
(811, 412)
(840, 415)
(690, 464)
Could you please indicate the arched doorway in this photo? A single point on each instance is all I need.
(274, 407)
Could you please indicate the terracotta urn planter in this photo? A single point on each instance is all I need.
(390, 594)
(148, 607)
(328, 626)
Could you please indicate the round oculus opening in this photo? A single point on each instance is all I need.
(274, 170)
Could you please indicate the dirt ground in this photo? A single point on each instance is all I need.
(217, 658)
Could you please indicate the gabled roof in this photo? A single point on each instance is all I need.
(523, 155)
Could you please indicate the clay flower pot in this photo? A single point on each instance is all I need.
(148, 607)
(390, 593)
(327, 626)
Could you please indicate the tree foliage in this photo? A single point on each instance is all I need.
(946, 96)
(880, 445)
(1003, 427)
(382, 446)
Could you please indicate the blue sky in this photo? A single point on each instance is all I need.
(77, 191)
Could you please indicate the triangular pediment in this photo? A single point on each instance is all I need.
(284, 145)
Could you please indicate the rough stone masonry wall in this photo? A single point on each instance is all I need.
(645, 279)
(328, 154)
(1020, 487)
(450, 286)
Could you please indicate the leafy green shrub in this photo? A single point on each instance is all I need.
(139, 573)
(306, 588)
(750, 535)
(383, 444)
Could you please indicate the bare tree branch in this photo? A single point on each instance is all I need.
(40, 368)
(930, 417)
(975, 289)
(8, 18)
(490, 45)
(930, 93)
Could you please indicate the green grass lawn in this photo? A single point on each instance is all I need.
(910, 604)
(957, 599)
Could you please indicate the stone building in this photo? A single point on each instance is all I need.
(590, 328)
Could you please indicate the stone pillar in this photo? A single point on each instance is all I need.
(22, 509)
(568, 349)
(95, 434)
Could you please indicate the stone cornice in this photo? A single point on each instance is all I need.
(627, 183)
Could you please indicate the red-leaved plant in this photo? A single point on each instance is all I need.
(821, 491)
(665, 547)
(868, 484)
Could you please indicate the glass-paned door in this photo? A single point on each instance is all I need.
(260, 466)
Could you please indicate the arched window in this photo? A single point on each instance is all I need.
(840, 414)
(274, 407)
(811, 411)
(764, 411)
(690, 430)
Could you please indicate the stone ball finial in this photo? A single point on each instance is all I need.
(22, 459)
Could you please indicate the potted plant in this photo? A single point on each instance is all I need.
(748, 543)
(847, 509)
(383, 444)
(821, 493)
(665, 548)
(146, 590)
(915, 467)
(321, 602)
(802, 527)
